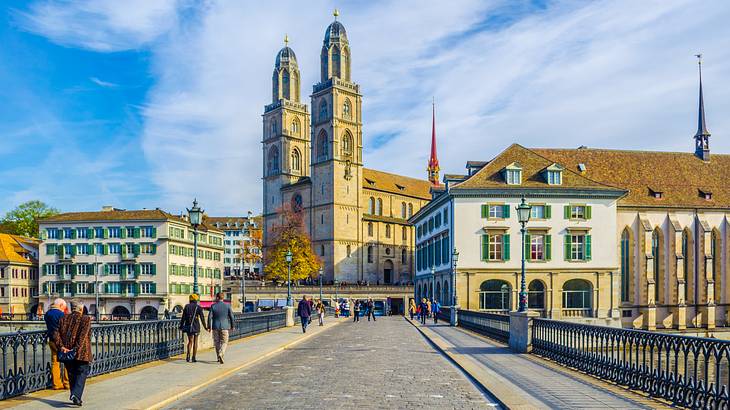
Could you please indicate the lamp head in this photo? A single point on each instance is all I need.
(523, 211)
(455, 255)
(288, 256)
(195, 214)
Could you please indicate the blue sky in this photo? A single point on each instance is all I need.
(143, 104)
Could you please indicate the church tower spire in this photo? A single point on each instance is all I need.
(433, 162)
(702, 137)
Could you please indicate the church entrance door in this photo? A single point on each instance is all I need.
(388, 272)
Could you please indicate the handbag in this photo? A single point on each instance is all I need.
(69, 356)
(187, 326)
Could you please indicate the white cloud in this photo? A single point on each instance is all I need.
(102, 83)
(617, 74)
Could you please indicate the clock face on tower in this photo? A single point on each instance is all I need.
(296, 203)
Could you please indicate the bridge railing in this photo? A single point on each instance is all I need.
(689, 371)
(26, 357)
(490, 324)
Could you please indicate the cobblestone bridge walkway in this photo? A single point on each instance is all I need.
(383, 364)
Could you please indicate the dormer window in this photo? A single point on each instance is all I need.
(513, 174)
(370, 181)
(656, 193)
(400, 187)
(706, 194)
(554, 174)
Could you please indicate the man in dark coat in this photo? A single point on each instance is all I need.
(304, 310)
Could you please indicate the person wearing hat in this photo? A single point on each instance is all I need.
(190, 323)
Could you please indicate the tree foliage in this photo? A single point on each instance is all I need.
(23, 220)
(290, 235)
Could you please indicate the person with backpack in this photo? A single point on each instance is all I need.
(436, 309)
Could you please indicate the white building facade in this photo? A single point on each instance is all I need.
(242, 245)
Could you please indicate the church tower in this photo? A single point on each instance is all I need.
(286, 143)
(702, 136)
(337, 161)
(433, 161)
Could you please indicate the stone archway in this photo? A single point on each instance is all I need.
(121, 313)
(148, 313)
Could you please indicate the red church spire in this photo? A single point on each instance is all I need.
(433, 161)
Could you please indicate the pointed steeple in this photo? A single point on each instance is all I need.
(433, 162)
(702, 137)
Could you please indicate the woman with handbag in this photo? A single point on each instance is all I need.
(73, 340)
(190, 323)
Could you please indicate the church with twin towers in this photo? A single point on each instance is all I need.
(357, 217)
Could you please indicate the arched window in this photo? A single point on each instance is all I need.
(403, 256)
(347, 109)
(688, 265)
(625, 265)
(404, 233)
(296, 160)
(273, 161)
(285, 85)
(370, 229)
(322, 146)
(336, 70)
(403, 210)
(370, 254)
(323, 114)
(577, 298)
(295, 127)
(387, 230)
(495, 295)
(273, 128)
(655, 253)
(379, 207)
(347, 144)
(349, 251)
(536, 295)
(717, 265)
(447, 295)
(371, 206)
(410, 210)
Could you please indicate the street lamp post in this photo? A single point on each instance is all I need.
(433, 283)
(243, 278)
(454, 259)
(337, 295)
(523, 216)
(195, 215)
(320, 284)
(96, 285)
(288, 282)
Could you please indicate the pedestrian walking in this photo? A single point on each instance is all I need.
(190, 323)
(424, 310)
(304, 310)
(59, 376)
(320, 312)
(412, 308)
(220, 321)
(371, 309)
(436, 309)
(311, 309)
(73, 340)
(428, 312)
(356, 311)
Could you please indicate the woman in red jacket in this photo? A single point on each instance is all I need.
(74, 336)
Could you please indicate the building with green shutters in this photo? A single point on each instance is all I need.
(141, 261)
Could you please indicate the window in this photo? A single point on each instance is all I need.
(410, 210)
(577, 247)
(537, 247)
(625, 266)
(554, 177)
(68, 233)
(82, 233)
(387, 230)
(437, 220)
(148, 231)
(403, 256)
(577, 212)
(147, 288)
(147, 248)
(99, 232)
(494, 295)
(130, 232)
(83, 287)
(147, 269)
(349, 251)
(295, 127)
(403, 210)
(370, 254)
(404, 233)
(370, 229)
(347, 144)
(347, 109)
(52, 233)
(321, 250)
(296, 160)
(83, 269)
(379, 207)
(81, 249)
(495, 247)
(115, 249)
(273, 161)
(496, 211)
(513, 176)
(371, 206)
(323, 114)
(273, 127)
(540, 212)
(656, 259)
(115, 232)
(322, 146)
(446, 216)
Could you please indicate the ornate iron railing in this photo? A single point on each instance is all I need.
(489, 324)
(445, 313)
(26, 357)
(689, 371)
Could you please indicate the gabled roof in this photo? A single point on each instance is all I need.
(678, 175)
(123, 215)
(396, 184)
(533, 165)
(11, 250)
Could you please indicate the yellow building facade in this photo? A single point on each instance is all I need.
(18, 274)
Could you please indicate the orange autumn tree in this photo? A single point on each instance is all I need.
(290, 235)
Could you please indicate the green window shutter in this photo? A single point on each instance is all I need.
(74, 269)
(106, 287)
(154, 249)
(485, 247)
(123, 232)
(90, 233)
(73, 233)
(548, 248)
(135, 249)
(154, 232)
(45, 271)
(566, 250)
(106, 249)
(60, 233)
(137, 269)
(548, 211)
(45, 287)
(485, 211)
(505, 253)
(44, 234)
(566, 211)
(527, 248)
(50, 250)
(122, 269)
(588, 248)
(106, 233)
(73, 250)
(135, 232)
(588, 212)
(153, 287)
(106, 268)
(90, 248)
(153, 269)
(505, 211)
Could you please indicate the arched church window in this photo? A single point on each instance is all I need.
(347, 109)
(349, 251)
(273, 161)
(410, 210)
(322, 146)
(323, 115)
(336, 71)
(404, 233)
(370, 254)
(273, 128)
(295, 127)
(370, 229)
(296, 160)
(379, 207)
(371, 206)
(347, 144)
(403, 256)
(285, 85)
(403, 210)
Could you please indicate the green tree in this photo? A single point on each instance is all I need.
(290, 236)
(23, 220)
